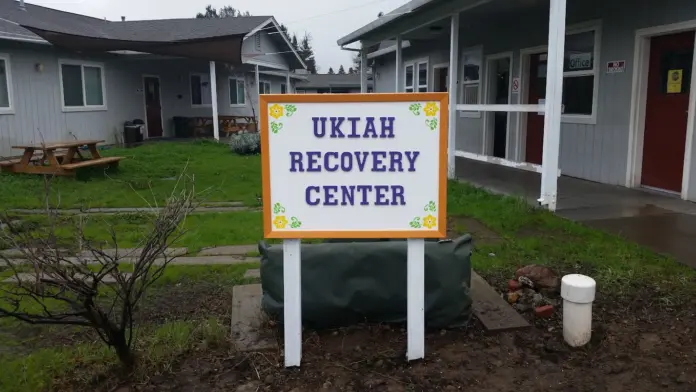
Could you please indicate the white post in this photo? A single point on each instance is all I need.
(214, 101)
(552, 107)
(415, 299)
(363, 71)
(399, 64)
(288, 86)
(453, 74)
(258, 83)
(292, 307)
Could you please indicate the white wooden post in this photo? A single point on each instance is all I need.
(453, 74)
(292, 298)
(415, 299)
(288, 86)
(363, 71)
(214, 100)
(552, 107)
(399, 64)
(258, 83)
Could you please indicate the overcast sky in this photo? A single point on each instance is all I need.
(325, 20)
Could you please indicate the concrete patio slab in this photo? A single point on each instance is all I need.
(31, 277)
(135, 252)
(252, 274)
(491, 309)
(250, 331)
(240, 250)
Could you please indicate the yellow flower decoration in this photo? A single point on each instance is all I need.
(429, 221)
(280, 222)
(431, 109)
(276, 111)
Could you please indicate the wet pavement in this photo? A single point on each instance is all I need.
(662, 222)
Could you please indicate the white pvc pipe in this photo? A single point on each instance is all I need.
(578, 292)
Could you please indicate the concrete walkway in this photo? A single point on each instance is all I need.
(127, 210)
(661, 222)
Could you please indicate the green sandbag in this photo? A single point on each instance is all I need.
(344, 283)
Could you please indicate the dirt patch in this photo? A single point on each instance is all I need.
(458, 225)
(638, 344)
(185, 301)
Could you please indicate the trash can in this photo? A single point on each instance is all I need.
(181, 127)
(131, 133)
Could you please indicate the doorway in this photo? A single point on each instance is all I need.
(441, 82)
(536, 91)
(499, 91)
(667, 110)
(153, 106)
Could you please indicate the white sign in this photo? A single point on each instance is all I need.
(354, 166)
(515, 85)
(617, 66)
(355, 169)
(580, 61)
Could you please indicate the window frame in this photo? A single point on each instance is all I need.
(85, 107)
(201, 105)
(237, 81)
(286, 88)
(416, 63)
(478, 50)
(270, 86)
(8, 77)
(596, 27)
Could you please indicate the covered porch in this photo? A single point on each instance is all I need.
(661, 222)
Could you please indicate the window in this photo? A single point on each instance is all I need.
(470, 90)
(82, 86)
(416, 76)
(200, 90)
(237, 92)
(283, 88)
(580, 75)
(5, 85)
(264, 87)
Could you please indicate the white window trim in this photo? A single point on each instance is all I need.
(204, 105)
(8, 75)
(237, 80)
(270, 86)
(415, 63)
(460, 96)
(85, 107)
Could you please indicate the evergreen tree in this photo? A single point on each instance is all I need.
(351, 71)
(341, 70)
(331, 71)
(307, 54)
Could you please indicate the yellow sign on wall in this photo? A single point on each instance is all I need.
(674, 81)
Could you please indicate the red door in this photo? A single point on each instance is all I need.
(669, 79)
(153, 106)
(535, 122)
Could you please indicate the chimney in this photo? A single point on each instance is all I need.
(123, 19)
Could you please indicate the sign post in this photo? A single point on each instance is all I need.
(354, 166)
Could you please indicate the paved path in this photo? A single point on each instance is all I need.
(126, 210)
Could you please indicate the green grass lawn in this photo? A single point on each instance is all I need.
(145, 178)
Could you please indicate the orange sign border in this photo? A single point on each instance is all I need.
(268, 231)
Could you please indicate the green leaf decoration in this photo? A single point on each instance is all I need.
(275, 127)
(415, 108)
(416, 223)
(431, 123)
(430, 207)
(278, 209)
(290, 110)
(295, 223)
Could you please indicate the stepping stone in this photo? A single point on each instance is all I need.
(16, 253)
(491, 309)
(222, 204)
(250, 330)
(31, 277)
(229, 250)
(134, 252)
(212, 260)
(252, 274)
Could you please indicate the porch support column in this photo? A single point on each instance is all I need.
(363, 70)
(258, 82)
(453, 74)
(399, 64)
(288, 86)
(214, 101)
(552, 107)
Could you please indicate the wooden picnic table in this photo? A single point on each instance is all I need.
(57, 158)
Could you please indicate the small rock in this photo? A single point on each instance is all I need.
(334, 333)
(544, 311)
(685, 379)
(514, 285)
(491, 255)
(513, 297)
(379, 363)
(248, 387)
(538, 299)
(327, 385)
(269, 379)
(525, 281)
(443, 332)
(358, 348)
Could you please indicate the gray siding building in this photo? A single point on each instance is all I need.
(629, 93)
(51, 92)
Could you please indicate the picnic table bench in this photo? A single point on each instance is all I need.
(57, 158)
